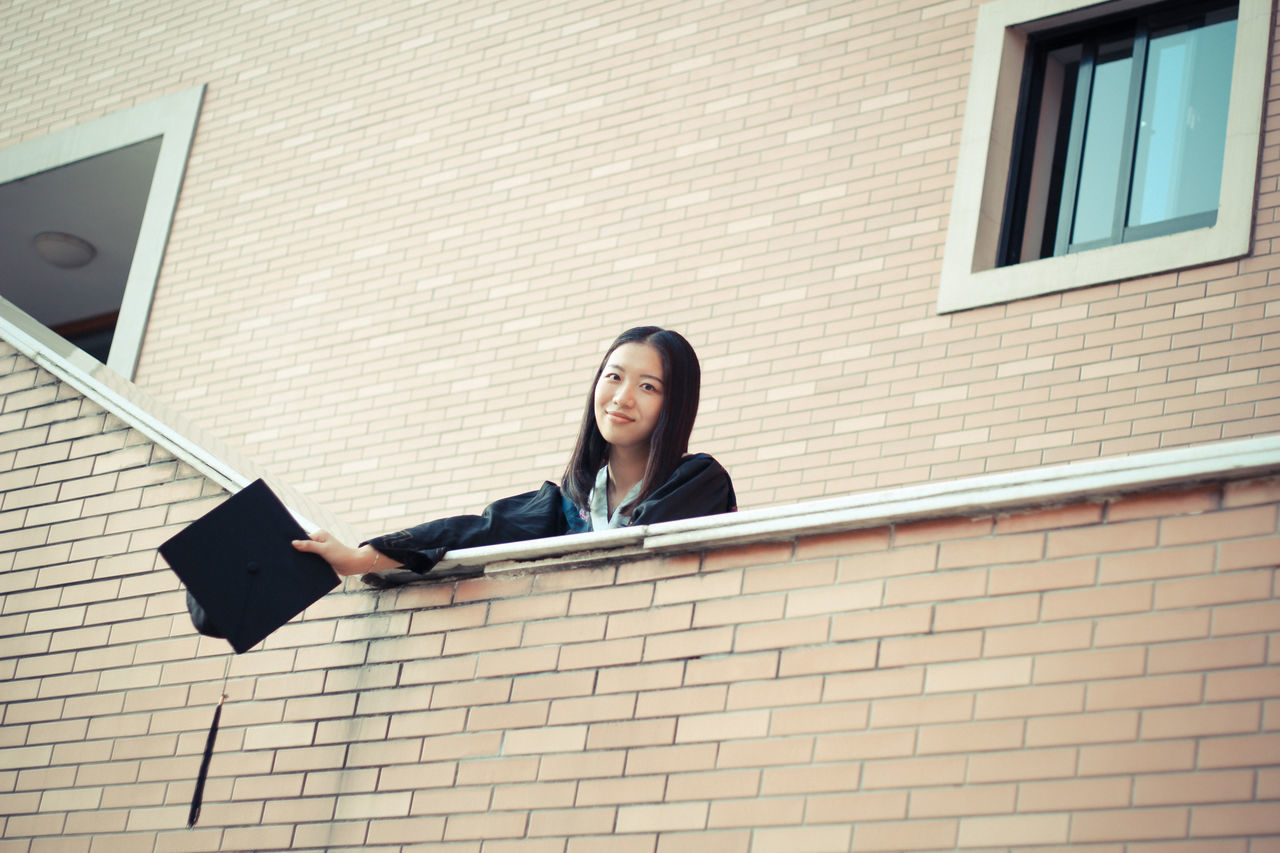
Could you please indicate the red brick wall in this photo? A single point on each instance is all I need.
(1100, 674)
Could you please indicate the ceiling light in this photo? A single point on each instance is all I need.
(65, 251)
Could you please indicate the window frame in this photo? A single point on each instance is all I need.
(970, 275)
(172, 118)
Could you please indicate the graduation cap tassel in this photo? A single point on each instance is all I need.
(198, 797)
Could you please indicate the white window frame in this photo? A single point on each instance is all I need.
(173, 118)
(970, 277)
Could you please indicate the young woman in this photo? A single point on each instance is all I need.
(630, 466)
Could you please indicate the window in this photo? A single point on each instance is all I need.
(84, 218)
(1121, 133)
(1104, 141)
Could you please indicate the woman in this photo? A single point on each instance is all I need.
(629, 467)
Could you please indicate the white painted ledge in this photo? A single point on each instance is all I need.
(984, 495)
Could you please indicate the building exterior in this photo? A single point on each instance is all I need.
(406, 231)
(1005, 575)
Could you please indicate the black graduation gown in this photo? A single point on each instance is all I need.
(699, 486)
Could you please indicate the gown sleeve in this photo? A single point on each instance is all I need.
(532, 515)
(699, 486)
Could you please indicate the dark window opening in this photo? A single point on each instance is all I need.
(67, 241)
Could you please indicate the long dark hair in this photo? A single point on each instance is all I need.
(681, 384)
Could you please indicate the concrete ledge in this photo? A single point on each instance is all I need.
(983, 495)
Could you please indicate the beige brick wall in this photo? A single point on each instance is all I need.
(408, 229)
(1098, 675)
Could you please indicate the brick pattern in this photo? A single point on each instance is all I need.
(408, 229)
(1099, 675)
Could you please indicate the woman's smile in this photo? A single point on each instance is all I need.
(628, 395)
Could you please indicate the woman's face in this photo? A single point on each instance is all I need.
(628, 395)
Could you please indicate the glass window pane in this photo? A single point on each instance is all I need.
(1100, 162)
(1182, 131)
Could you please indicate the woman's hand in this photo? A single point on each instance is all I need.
(344, 559)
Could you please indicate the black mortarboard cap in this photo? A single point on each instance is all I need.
(238, 563)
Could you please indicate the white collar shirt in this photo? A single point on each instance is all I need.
(600, 517)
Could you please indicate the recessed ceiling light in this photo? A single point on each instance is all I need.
(66, 251)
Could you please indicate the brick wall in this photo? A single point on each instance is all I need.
(1100, 675)
(408, 229)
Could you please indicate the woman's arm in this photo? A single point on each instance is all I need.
(532, 515)
(344, 559)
